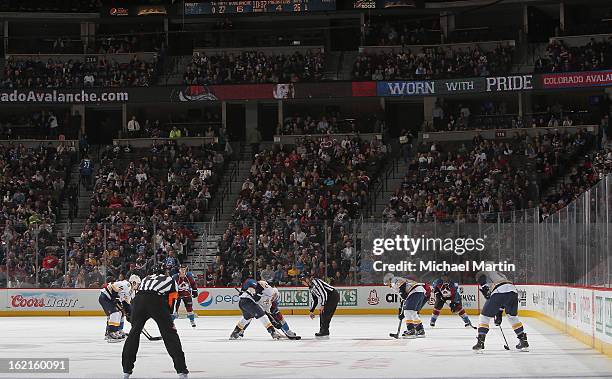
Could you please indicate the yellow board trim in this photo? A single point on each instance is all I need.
(589, 340)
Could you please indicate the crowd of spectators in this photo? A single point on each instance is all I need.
(433, 63)
(208, 124)
(330, 122)
(37, 74)
(293, 197)
(405, 32)
(38, 124)
(32, 185)
(255, 67)
(168, 182)
(592, 168)
(51, 5)
(391, 33)
(492, 115)
(144, 208)
(595, 55)
(129, 43)
(485, 179)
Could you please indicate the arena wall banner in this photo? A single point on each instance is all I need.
(576, 79)
(65, 96)
(214, 301)
(49, 301)
(510, 83)
(323, 90)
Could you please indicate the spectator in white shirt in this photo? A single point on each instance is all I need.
(133, 127)
(323, 125)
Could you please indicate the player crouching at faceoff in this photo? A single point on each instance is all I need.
(250, 295)
(187, 289)
(500, 293)
(446, 290)
(115, 299)
(269, 303)
(414, 296)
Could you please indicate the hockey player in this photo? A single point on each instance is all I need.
(249, 297)
(414, 296)
(115, 299)
(269, 303)
(446, 290)
(187, 289)
(500, 293)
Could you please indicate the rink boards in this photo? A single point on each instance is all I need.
(583, 312)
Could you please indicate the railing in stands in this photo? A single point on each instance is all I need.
(500, 134)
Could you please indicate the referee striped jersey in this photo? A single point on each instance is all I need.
(319, 291)
(159, 284)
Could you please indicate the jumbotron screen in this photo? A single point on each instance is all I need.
(257, 6)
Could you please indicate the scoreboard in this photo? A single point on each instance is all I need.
(258, 6)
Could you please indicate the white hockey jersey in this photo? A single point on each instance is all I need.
(268, 296)
(120, 290)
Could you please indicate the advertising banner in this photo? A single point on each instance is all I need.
(50, 300)
(456, 86)
(65, 96)
(321, 90)
(603, 315)
(576, 79)
(218, 299)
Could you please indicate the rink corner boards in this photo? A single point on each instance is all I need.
(589, 340)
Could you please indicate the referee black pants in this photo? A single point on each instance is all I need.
(328, 310)
(150, 305)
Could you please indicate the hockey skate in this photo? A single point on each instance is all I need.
(273, 333)
(115, 337)
(291, 335)
(323, 334)
(523, 345)
(420, 333)
(432, 323)
(237, 333)
(183, 375)
(409, 334)
(193, 325)
(126, 375)
(479, 344)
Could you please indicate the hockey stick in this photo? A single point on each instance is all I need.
(276, 324)
(399, 326)
(149, 337)
(503, 335)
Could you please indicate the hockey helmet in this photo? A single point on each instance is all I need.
(249, 283)
(134, 281)
(158, 269)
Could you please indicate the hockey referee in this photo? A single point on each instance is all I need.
(155, 299)
(324, 295)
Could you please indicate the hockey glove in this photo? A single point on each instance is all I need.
(486, 292)
(194, 293)
(498, 318)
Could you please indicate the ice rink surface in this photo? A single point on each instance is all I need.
(359, 347)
